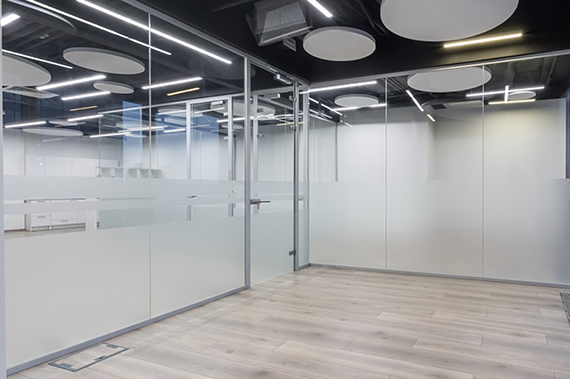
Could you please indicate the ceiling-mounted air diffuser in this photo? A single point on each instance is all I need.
(273, 21)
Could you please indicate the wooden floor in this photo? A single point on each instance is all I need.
(328, 323)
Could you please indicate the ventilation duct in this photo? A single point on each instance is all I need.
(273, 21)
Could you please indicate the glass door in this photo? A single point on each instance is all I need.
(273, 185)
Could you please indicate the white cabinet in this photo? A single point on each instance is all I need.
(54, 220)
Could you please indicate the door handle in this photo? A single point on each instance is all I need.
(258, 202)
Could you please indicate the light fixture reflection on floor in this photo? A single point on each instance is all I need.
(183, 91)
(70, 82)
(154, 31)
(37, 59)
(35, 123)
(9, 19)
(85, 96)
(483, 40)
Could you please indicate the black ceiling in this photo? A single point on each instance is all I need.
(544, 23)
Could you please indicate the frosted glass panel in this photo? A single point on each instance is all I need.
(435, 191)
(527, 207)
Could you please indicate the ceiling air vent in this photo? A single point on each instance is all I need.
(30, 92)
(273, 21)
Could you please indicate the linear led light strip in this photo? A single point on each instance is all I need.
(512, 102)
(431, 117)
(9, 19)
(86, 95)
(144, 129)
(85, 118)
(340, 87)
(415, 101)
(37, 59)
(481, 94)
(83, 109)
(154, 31)
(160, 85)
(482, 40)
(109, 135)
(97, 26)
(355, 108)
(175, 130)
(183, 91)
(70, 82)
(325, 106)
(322, 9)
(35, 123)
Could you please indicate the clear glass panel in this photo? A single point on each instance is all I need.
(527, 213)
(197, 248)
(434, 186)
(76, 200)
(272, 219)
(348, 178)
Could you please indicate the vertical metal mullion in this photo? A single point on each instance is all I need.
(296, 219)
(231, 157)
(255, 146)
(2, 248)
(307, 202)
(247, 178)
(189, 153)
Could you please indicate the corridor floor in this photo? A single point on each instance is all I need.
(332, 323)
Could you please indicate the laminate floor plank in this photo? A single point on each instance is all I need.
(323, 323)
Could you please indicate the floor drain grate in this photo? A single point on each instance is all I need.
(566, 304)
(88, 357)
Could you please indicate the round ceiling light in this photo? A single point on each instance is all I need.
(444, 20)
(62, 122)
(360, 101)
(522, 95)
(53, 132)
(21, 72)
(455, 80)
(102, 60)
(114, 87)
(339, 44)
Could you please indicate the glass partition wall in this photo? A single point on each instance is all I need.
(463, 172)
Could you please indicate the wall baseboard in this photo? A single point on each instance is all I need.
(433, 275)
(83, 345)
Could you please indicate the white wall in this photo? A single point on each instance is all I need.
(449, 184)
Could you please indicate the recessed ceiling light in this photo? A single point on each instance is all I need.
(9, 19)
(85, 118)
(37, 59)
(415, 101)
(160, 85)
(431, 117)
(109, 135)
(483, 40)
(86, 95)
(83, 109)
(331, 88)
(482, 94)
(154, 31)
(70, 82)
(25, 124)
(183, 91)
(322, 9)
(97, 26)
(512, 102)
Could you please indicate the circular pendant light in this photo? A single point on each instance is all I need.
(356, 100)
(114, 87)
(521, 95)
(53, 132)
(339, 44)
(444, 20)
(102, 60)
(455, 80)
(18, 71)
